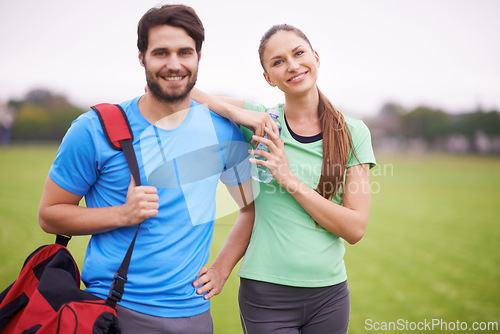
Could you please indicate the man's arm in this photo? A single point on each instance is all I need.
(213, 279)
(59, 212)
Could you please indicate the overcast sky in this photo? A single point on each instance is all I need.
(441, 53)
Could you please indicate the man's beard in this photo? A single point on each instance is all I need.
(155, 88)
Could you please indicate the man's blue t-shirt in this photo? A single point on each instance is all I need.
(185, 164)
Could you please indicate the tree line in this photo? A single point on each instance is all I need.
(40, 116)
(428, 129)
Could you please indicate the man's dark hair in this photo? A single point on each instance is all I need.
(180, 16)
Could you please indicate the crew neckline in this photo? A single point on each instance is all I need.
(185, 121)
(303, 139)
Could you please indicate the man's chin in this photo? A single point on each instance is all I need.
(171, 96)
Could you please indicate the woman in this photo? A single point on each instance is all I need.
(293, 278)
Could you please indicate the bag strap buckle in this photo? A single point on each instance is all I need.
(116, 290)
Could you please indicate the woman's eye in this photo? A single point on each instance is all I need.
(277, 62)
(299, 53)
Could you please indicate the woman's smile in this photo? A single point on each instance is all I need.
(298, 77)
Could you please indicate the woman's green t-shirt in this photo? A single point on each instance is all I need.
(286, 246)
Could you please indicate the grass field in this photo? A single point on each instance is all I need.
(431, 251)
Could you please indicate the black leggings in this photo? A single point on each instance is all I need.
(278, 309)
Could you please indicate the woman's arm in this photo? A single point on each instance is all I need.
(347, 221)
(234, 110)
(225, 105)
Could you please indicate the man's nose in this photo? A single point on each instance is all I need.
(173, 63)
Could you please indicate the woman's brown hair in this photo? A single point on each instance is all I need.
(337, 142)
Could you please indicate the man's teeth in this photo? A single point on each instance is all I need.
(172, 78)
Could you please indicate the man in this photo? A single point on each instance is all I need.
(183, 149)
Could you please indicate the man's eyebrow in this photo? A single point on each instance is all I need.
(188, 48)
(159, 49)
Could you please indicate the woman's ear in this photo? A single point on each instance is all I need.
(316, 55)
(268, 79)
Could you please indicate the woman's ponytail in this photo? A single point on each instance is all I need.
(337, 146)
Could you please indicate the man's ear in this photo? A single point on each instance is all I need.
(268, 79)
(199, 56)
(141, 59)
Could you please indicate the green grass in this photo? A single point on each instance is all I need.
(431, 250)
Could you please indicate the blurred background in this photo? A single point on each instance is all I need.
(423, 75)
(399, 65)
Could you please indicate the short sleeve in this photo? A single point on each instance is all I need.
(237, 166)
(75, 166)
(247, 133)
(255, 107)
(362, 143)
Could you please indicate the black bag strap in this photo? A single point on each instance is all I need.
(119, 135)
(63, 239)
